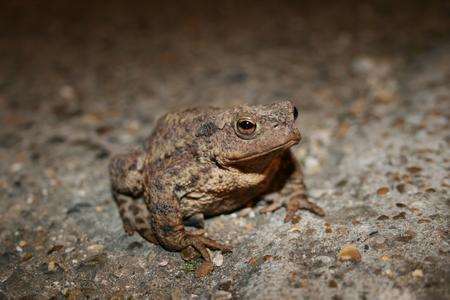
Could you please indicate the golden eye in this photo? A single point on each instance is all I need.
(246, 127)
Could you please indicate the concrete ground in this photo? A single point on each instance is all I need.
(371, 79)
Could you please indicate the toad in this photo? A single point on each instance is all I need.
(204, 162)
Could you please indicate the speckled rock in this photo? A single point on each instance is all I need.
(373, 91)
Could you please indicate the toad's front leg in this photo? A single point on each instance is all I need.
(167, 222)
(292, 191)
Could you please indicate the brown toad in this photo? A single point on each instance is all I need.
(204, 162)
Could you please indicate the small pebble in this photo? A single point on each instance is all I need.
(163, 263)
(252, 261)
(177, 294)
(384, 95)
(70, 249)
(400, 188)
(415, 211)
(296, 219)
(67, 92)
(151, 257)
(218, 259)
(342, 130)
(414, 169)
(332, 284)
(16, 167)
(389, 273)
(133, 126)
(3, 184)
(312, 164)
(324, 260)
(221, 295)
(385, 258)
(417, 273)
(382, 191)
(406, 237)
(55, 248)
(349, 253)
(96, 248)
(421, 221)
(401, 215)
(363, 65)
(316, 193)
(355, 222)
(295, 229)
(378, 242)
(245, 212)
(225, 284)
(30, 199)
(310, 231)
(267, 258)
(52, 266)
(27, 256)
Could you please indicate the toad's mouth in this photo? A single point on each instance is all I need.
(232, 161)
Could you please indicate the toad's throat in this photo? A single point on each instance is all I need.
(251, 157)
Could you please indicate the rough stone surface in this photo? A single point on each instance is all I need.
(372, 81)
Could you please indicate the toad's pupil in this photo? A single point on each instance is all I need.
(295, 113)
(246, 125)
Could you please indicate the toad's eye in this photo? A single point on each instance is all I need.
(246, 127)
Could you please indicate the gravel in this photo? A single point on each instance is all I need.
(371, 81)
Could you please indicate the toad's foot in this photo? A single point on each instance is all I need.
(198, 247)
(201, 243)
(293, 205)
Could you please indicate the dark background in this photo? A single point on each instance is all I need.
(119, 51)
(82, 79)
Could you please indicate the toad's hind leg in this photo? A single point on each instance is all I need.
(135, 217)
(126, 185)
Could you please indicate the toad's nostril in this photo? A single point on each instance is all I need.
(295, 113)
